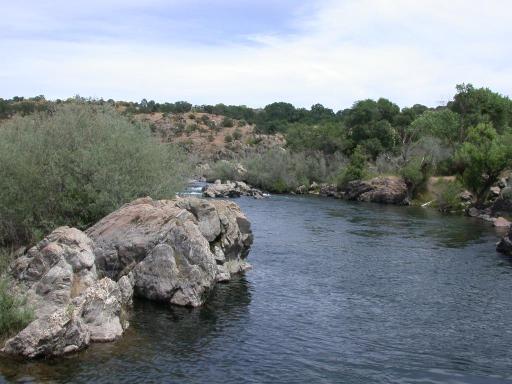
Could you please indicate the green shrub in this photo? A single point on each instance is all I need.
(448, 197)
(75, 165)
(356, 169)
(415, 174)
(280, 171)
(237, 135)
(228, 138)
(485, 155)
(227, 122)
(191, 128)
(222, 170)
(14, 312)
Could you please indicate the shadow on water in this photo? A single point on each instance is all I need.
(156, 330)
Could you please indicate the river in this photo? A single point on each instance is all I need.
(340, 293)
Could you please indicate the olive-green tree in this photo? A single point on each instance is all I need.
(484, 156)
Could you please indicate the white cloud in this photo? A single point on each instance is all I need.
(346, 50)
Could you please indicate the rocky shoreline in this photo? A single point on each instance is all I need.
(81, 284)
(385, 190)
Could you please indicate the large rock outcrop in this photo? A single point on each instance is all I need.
(385, 190)
(505, 244)
(72, 307)
(176, 249)
(80, 285)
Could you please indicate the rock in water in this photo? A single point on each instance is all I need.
(72, 307)
(176, 249)
(386, 190)
(231, 189)
(169, 250)
(505, 245)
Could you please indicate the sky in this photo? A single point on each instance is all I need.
(254, 52)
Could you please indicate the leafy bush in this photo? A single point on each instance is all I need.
(237, 135)
(228, 138)
(448, 197)
(415, 173)
(191, 128)
(484, 156)
(75, 165)
(277, 170)
(227, 122)
(356, 169)
(222, 170)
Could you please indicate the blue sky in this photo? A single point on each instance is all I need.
(255, 52)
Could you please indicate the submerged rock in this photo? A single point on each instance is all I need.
(386, 190)
(231, 189)
(176, 249)
(72, 307)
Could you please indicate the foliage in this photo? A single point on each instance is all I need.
(484, 156)
(415, 174)
(223, 170)
(227, 122)
(356, 169)
(237, 134)
(328, 137)
(369, 125)
(442, 124)
(74, 166)
(448, 196)
(481, 105)
(280, 171)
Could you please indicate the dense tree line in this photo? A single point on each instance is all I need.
(418, 140)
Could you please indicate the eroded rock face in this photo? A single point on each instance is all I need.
(505, 245)
(386, 190)
(72, 307)
(176, 249)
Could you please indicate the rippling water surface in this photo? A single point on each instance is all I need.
(339, 293)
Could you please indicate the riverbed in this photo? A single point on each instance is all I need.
(340, 293)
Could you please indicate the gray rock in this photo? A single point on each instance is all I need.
(177, 249)
(503, 204)
(386, 190)
(72, 307)
(231, 189)
(495, 191)
(53, 335)
(505, 245)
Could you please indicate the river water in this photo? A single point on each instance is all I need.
(340, 293)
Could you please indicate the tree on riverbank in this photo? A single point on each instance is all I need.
(484, 156)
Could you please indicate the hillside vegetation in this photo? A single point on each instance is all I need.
(282, 147)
